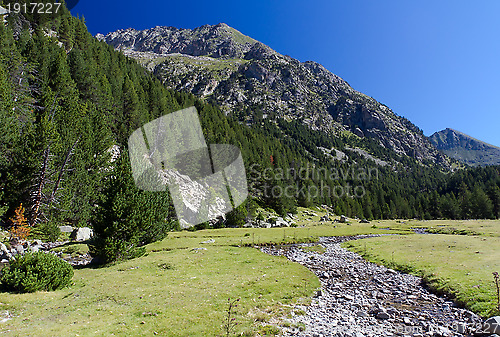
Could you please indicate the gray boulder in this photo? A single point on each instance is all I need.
(325, 218)
(343, 219)
(364, 221)
(66, 229)
(280, 222)
(81, 234)
(19, 249)
(383, 315)
(4, 252)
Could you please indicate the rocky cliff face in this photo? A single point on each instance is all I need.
(240, 74)
(462, 147)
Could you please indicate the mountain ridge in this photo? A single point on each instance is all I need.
(246, 75)
(465, 148)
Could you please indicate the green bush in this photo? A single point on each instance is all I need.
(36, 271)
(50, 231)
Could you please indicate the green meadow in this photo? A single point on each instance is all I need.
(181, 286)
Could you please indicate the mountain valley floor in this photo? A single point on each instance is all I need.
(183, 285)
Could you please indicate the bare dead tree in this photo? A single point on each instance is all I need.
(63, 168)
(38, 196)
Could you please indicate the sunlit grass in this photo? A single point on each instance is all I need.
(178, 289)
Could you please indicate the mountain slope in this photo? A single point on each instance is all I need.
(462, 147)
(236, 72)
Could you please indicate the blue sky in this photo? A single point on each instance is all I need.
(436, 63)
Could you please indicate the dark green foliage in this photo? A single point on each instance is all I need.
(50, 231)
(236, 218)
(127, 218)
(36, 272)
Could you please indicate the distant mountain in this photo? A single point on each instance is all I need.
(240, 74)
(462, 147)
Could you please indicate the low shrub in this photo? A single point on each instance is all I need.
(36, 271)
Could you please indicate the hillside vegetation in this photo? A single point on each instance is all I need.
(69, 99)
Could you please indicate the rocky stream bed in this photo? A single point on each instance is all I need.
(361, 299)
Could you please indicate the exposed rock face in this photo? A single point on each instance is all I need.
(465, 148)
(240, 74)
(214, 41)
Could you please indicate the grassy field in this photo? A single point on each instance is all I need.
(181, 286)
(177, 289)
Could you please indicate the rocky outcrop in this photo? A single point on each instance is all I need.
(81, 234)
(214, 41)
(240, 74)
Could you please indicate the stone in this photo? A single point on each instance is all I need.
(492, 325)
(383, 315)
(66, 229)
(364, 221)
(325, 218)
(19, 249)
(460, 327)
(343, 219)
(198, 249)
(361, 314)
(81, 234)
(358, 132)
(4, 252)
(209, 241)
(280, 222)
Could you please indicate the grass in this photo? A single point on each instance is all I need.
(173, 291)
(73, 249)
(178, 290)
(454, 264)
(315, 248)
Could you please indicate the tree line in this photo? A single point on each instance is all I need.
(66, 99)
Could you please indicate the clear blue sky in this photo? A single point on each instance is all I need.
(436, 62)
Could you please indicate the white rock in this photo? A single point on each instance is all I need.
(82, 234)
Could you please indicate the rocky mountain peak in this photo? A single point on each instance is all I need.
(238, 73)
(218, 41)
(465, 148)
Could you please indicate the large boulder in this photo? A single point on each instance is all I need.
(325, 218)
(5, 254)
(280, 222)
(81, 234)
